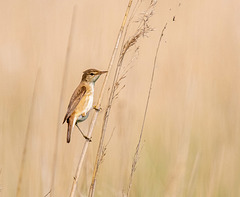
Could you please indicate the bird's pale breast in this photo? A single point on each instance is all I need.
(86, 102)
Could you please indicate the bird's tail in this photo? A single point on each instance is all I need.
(71, 122)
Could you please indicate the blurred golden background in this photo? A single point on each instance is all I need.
(191, 137)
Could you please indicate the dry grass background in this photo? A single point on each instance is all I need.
(191, 137)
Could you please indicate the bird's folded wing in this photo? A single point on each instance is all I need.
(75, 99)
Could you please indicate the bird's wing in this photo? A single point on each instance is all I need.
(75, 99)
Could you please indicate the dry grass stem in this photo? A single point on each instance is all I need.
(142, 30)
(82, 156)
(136, 155)
(47, 194)
(24, 154)
(64, 79)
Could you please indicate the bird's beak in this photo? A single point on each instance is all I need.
(102, 72)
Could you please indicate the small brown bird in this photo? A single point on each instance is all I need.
(81, 101)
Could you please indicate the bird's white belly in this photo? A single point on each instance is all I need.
(85, 104)
(90, 101)
(86, 110)
(89, 104)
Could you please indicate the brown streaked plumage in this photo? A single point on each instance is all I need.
(81, 101)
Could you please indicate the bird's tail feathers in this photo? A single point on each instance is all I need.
(71, 122)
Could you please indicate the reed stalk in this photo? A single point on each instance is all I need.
(24, 154)
(61, 106)
(85, 147)
(136, 155)
(142, 29)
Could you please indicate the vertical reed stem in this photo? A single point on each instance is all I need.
(27, 135)
(65, 71)
(136, 155)
(84, 150)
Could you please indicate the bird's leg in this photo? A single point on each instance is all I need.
(97, 108)
(87, 138)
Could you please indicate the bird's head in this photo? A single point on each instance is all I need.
(92, 75)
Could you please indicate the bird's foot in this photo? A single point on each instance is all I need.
(98, 109)
(87, 138)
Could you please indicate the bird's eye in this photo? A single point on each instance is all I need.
(92, 74)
